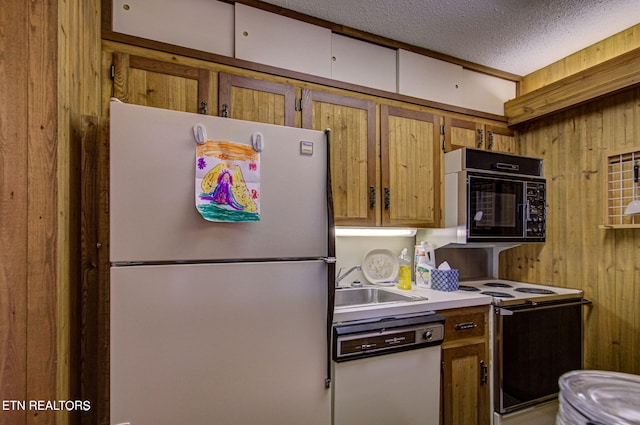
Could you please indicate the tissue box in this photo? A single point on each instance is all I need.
(444, 280)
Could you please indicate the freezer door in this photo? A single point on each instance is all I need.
(222, 344)
(152, 190)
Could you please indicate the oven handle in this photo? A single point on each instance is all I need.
(506, 312)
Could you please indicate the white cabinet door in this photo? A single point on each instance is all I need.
(440, 81)
(486, 93)
(363, 63)
(275, 40)
(205, 25)
(428, 78)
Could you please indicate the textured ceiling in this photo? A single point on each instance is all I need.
(516, 36)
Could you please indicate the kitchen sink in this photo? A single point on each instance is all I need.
(349, 297)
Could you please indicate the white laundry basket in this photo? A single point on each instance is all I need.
(591, 397)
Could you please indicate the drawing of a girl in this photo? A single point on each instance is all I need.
(222, 193)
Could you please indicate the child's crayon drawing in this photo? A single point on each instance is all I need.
(227, 182)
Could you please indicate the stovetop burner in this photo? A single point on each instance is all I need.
(508, 293)
(497, 294)
(498, 285)
(541, 291)
(468, 288)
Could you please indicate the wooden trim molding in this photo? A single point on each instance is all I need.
(616, 74)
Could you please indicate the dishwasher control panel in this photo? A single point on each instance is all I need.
(386, 336)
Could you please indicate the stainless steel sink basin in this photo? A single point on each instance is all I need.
(349, 297)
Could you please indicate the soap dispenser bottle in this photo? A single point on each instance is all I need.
(404, 274)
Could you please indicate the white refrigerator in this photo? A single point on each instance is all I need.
(217, 322)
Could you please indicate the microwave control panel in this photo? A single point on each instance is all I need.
(536, 209)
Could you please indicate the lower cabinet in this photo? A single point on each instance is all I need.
(465, 367)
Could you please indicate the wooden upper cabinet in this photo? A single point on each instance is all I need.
(410, 167)
(251, 99)
(501, 138)
(149, 82)
(352, 149)
(459, 133)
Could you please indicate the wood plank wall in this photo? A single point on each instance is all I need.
(578, 253)
(48, 79)
(79, 87)
(614, 46)
(28, 198)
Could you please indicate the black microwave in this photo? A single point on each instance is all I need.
(494, 197)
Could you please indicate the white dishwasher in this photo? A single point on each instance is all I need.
(387, 370)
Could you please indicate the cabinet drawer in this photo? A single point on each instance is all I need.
(464, 323)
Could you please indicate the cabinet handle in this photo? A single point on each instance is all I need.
(372, 197)
(484, 371)
(387, 199)
(479, 137)
(204, 108)
(225, 111)
(489, 139)
(465, 325)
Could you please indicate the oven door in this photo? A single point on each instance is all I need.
(534, 346)
(495, 207)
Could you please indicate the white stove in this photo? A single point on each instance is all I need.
(509, 292)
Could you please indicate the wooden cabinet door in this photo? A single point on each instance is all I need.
(501, 139)
(465, 385)
(149, 82)
(410, 164)
(352, 150)
(251, 99)
(460, 133)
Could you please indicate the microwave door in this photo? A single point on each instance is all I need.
(495, 208)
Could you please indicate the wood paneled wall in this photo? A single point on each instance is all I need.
(28, 207)
(616, 45)
(48, 80)
(79, 86)
(578, 253)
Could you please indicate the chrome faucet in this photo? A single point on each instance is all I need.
(340, 277)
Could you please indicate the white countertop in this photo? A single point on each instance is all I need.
(435, 301)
